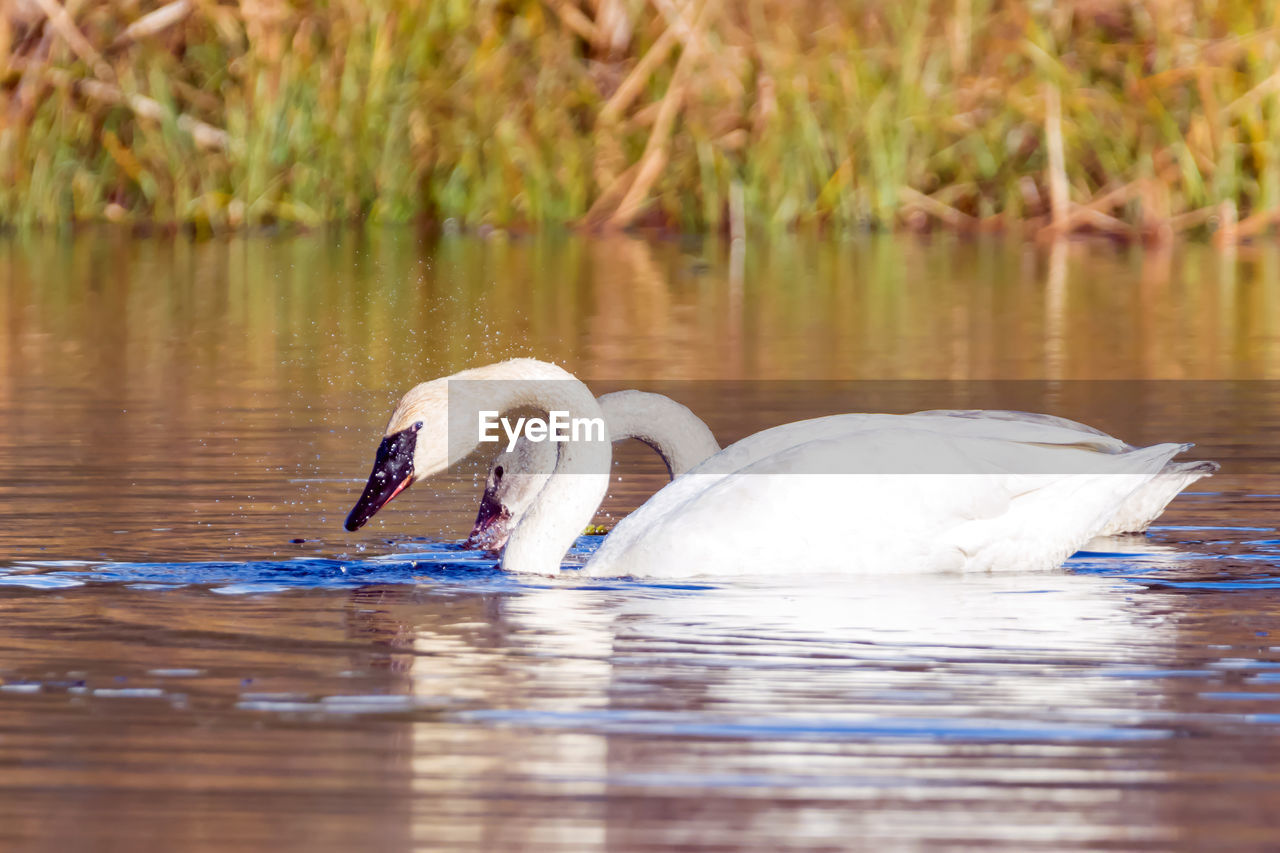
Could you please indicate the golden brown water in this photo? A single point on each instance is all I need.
(179, 674)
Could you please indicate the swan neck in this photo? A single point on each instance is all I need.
(568, 500)
(679, 436)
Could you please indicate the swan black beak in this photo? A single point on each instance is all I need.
(490, 526)
(392, 474)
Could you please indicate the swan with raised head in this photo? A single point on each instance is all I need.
(679, 437)
(891, 499)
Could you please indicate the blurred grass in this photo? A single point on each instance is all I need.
(693, 114)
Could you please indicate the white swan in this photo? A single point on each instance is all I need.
(889, 499)
(1135, 514)
(680, 438)
(683, 440)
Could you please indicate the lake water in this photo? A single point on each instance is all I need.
(195, 656)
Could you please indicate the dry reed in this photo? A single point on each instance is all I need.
(1139, 119)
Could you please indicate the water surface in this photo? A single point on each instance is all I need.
(195, 656)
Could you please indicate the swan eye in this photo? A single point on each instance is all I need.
(417, 425)
(497, 474)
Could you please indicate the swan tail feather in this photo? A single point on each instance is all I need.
(1149, 501)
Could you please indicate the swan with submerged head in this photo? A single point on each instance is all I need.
(683, 441)
(879, 493)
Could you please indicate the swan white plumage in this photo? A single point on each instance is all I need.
(679, 437)
(826, 498)
(923, 500)
(683, 441)
(1141, 508)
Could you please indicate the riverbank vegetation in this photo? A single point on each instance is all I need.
(1138, 119)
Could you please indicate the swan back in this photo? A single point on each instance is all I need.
(1102, 440)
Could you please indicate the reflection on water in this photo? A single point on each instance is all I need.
(1074, 710)
(179, 673)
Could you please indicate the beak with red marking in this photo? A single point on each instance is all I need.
(392, 474)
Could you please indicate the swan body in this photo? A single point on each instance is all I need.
(679, 437)
(924, 501)
(1134, 515)
(842, 494)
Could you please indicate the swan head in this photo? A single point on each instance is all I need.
(414, 445)
(439, 423)
(514, 480)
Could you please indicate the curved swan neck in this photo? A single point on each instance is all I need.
(580, 478)
(679, 436)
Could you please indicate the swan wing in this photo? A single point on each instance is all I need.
(1142, 507)
(1147, 503)
(1053, 425)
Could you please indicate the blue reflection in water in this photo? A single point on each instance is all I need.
(415, 562)
(877, 659)
(677, 724)
(1150, 561)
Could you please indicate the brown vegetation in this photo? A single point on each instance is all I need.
(1137, 119)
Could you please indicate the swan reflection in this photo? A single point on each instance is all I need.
(612, 704)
